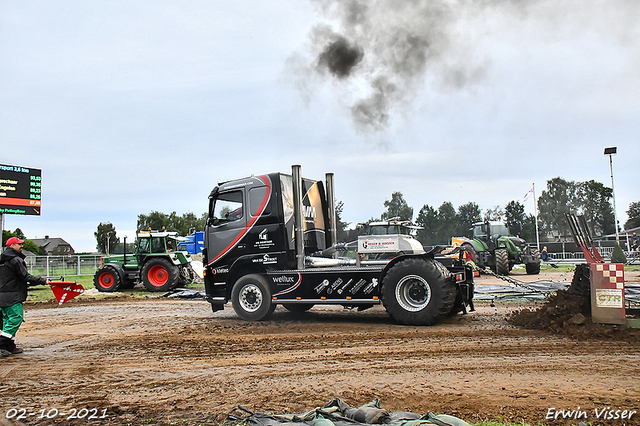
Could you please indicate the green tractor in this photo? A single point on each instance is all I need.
(492, 246)
(154, 262)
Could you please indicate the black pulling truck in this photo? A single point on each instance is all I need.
(271, 240)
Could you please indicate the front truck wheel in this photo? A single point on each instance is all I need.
(418, 291)
(251, 298)
(160, 275)
(107, 279)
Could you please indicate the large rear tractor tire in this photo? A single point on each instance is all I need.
(160, 275)
(107, 279)
(502, 261)
(251, 298)
(417, 291)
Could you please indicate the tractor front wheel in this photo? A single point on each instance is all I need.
(107, 279)
(160, 275)
(502, 261)
(533, 268)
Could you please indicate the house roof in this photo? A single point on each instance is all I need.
(50, 244)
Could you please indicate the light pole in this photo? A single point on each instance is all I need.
(611, 152)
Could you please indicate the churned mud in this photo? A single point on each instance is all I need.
(162, 361)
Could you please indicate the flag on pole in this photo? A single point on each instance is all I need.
(528, 195)
(65, 291)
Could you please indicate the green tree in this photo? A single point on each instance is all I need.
(520, 223)
(447, 223)
(154, 220)
(494, 213)
(634, 216)
(428, 219)
(590, 199)
(559, 198)
(515, 217)
(106, 237)
(468, 214)
(529, 229)
(593, 203)
(183, 225)
(397, 207)
(341, 226)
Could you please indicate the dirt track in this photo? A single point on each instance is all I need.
(158, 361)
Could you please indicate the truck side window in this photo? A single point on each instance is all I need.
(256, 197)
(228, 206)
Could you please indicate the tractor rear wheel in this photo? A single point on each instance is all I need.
(251, 298)
(107, 279)
(417, 291)
(502, 261)
(160, 275)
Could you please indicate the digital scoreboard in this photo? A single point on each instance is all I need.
(20, 190)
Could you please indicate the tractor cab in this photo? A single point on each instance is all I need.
(489, 232)
(393, 226)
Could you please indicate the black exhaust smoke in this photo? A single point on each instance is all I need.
(340, 57)
(379, 52)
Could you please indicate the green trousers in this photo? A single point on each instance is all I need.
(12, 317)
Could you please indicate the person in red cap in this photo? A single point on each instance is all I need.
(14, 280)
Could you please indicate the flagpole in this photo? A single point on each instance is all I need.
(535, 213)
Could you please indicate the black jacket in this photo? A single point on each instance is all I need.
(14, 278)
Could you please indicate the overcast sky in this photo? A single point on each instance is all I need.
(134, 106)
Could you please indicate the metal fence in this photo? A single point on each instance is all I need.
(633, 257)
(57, 266)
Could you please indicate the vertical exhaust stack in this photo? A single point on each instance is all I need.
(331, 208)
(298, 224)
